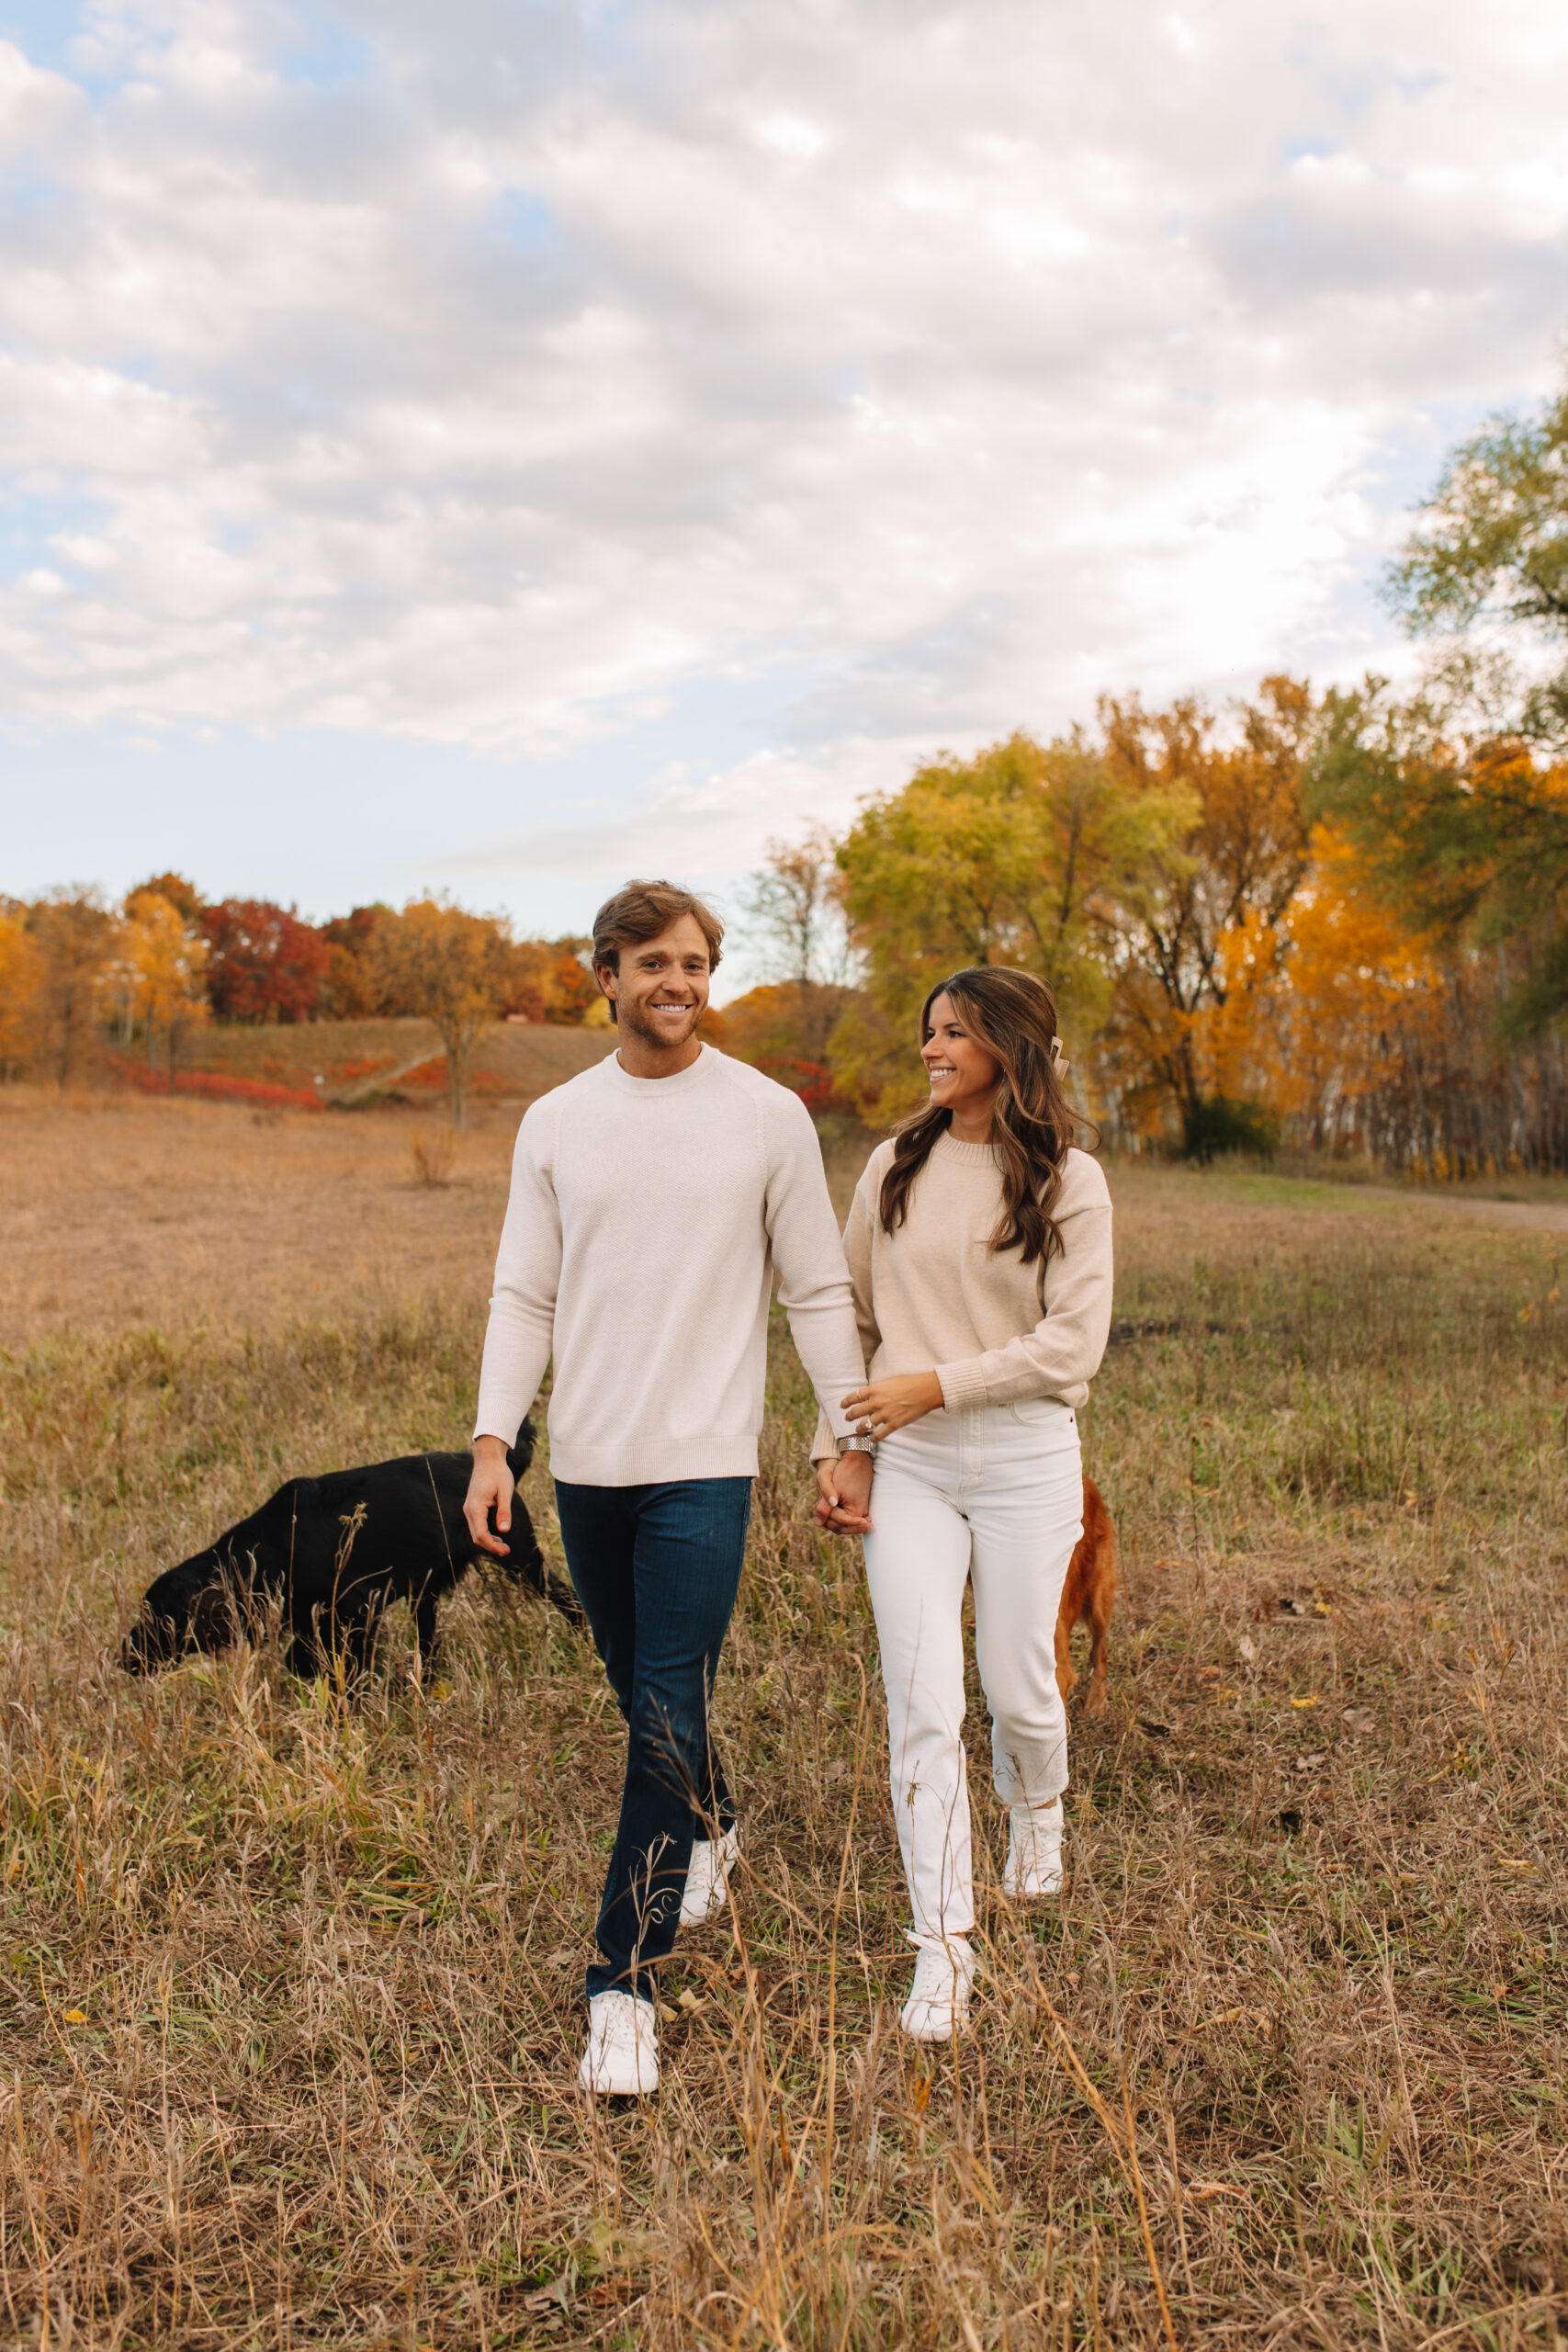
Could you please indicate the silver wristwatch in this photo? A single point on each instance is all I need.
(855, 1443)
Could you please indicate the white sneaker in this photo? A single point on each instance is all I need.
(622, 2057)
(1035, 1850)
(939, 1998)
(707, 1880)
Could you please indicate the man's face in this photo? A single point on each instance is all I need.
(661, 989)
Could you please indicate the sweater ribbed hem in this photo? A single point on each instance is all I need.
(963, 1384)
(653, 1463)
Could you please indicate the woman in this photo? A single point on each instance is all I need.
(979, 1244)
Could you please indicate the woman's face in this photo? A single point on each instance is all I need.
(963, 1074)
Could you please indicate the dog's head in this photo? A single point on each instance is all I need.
(186, 1609)
(520, 1452)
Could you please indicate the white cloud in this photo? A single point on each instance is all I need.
(491, 376)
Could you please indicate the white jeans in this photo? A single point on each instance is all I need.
(994, 1493)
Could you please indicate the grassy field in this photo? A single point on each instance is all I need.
(290, 1994)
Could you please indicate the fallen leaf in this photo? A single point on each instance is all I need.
(1310, 1763)
(1155, 1731)
(1246, 1650)
(1311, 1701)
(560, 1957)
(1360, 1719)
(689, 2001)
(1203, 2189)
(75, 2017)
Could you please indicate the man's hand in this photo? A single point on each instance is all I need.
(883, 1406)
(492, 1484)
(843, 1494)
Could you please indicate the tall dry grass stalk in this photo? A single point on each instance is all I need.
(291, 1991)
(435, 1155)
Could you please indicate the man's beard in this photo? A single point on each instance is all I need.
(632, 1018)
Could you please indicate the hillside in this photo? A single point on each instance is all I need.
(339, 1061)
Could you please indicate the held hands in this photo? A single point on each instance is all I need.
(883, 1406)
(490, 1485)
(843, 1494)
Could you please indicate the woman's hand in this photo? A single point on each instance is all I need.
(883, 1406)
(843, 1494)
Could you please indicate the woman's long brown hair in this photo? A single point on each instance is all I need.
(1013, 1016)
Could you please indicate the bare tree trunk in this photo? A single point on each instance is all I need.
(458, 1039)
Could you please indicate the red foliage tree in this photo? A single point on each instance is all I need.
(265, 964)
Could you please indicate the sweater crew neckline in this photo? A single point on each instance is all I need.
(964, 1155)
(659, 1089)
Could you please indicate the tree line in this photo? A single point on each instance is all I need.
(1336, 918)
(1339, 919)
(77, 975)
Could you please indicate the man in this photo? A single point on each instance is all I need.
(652, 1200)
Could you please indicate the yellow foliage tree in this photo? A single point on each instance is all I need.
(1201, 919)
(453, 969)
(21, 983)
(162, 961)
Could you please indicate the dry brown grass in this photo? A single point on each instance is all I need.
(292, 1996)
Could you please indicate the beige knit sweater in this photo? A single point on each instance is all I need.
(932, 1296)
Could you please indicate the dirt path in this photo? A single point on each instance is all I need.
(1538, 1217)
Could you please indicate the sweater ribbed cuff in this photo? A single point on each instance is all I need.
(963, 1384)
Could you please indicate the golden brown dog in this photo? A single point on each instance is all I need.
(1089, 1595)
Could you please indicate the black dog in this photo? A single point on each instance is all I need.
(334, 1551)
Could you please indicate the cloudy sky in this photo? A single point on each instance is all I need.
(507, 444)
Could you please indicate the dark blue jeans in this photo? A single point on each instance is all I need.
(657, 1569)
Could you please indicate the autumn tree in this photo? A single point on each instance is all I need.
(782, 1029)
(550, 981)
(450, 967)
(1021, 856)
(21, 984)
(163, 957)
(1210, 894)
(73, 935)
(181, 893)
(263, 963)
(351, 990)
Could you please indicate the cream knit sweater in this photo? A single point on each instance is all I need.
(647, 1219)
(932, 1296)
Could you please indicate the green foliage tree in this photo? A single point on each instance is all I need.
(1465, 835)
(1457, 797)
(1491, 546)
(1020, 855)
